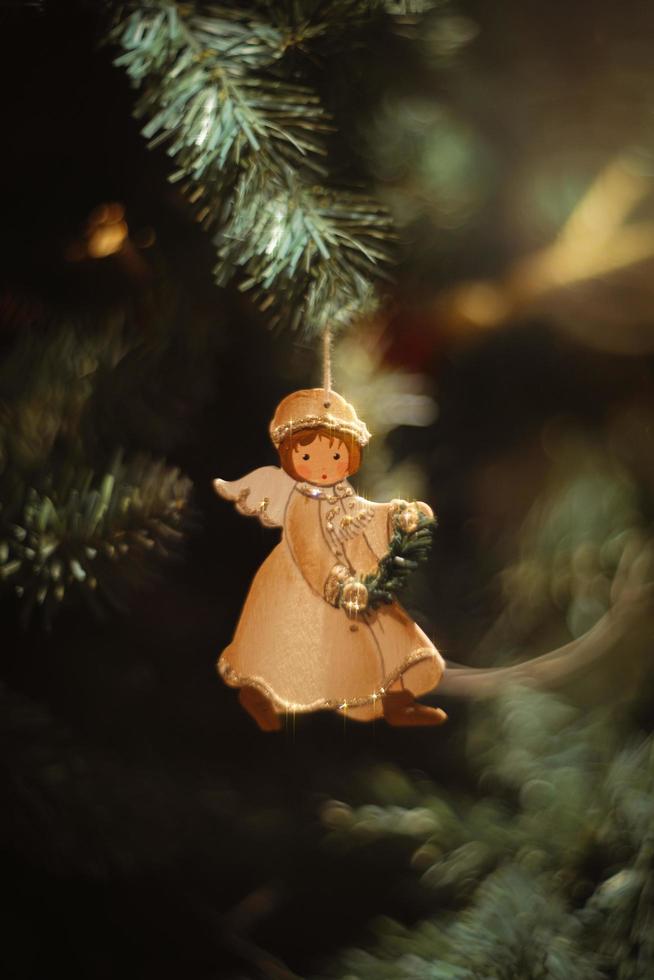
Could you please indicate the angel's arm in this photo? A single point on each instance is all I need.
(263, 493)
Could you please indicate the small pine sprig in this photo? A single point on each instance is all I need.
(68, 538)
(407, 550)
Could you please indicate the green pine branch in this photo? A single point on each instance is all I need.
(548, 874)
(66, 537)
(250, 150)
(75, 522)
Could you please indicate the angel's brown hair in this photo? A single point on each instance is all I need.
(305, 436)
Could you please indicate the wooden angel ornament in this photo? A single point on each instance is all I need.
(320, 628)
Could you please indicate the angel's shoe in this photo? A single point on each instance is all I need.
(402, 709)
(260, 708)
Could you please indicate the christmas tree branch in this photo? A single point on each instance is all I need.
(250, 151)
(67, 537)
(76, 519)
(548, 874)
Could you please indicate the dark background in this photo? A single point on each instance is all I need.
(149, 826)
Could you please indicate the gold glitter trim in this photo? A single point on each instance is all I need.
(231, 678)
(357, 429)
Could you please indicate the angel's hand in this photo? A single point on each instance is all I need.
(346, 592)
(424, 509)
(405, 515)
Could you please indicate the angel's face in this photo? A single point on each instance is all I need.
(322, 462)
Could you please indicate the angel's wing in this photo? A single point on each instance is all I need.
(263, 493)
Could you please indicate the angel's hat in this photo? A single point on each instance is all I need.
(312, 408)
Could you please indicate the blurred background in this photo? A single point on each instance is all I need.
(508, 378)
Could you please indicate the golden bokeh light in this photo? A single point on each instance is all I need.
(107, 239)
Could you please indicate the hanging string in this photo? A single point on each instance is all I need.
(327, 365)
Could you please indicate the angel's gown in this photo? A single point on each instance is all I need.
(290, 643)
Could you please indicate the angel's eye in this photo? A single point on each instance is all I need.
(306, 456)
(337, 455)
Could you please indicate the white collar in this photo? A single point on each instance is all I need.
(330, 493)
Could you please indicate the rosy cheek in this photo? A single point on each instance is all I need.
(303, 469)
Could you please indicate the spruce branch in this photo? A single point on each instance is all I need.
(76, 519)
(202, 95)
(249, 147)
(549, 875)
(306, 254)
(67, 535)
